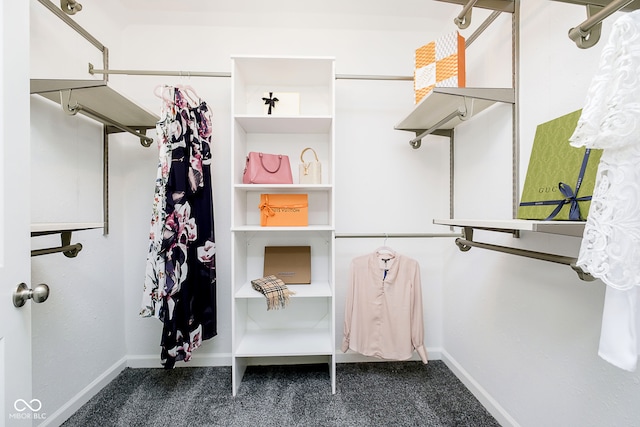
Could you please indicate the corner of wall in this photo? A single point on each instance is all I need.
(492, 405)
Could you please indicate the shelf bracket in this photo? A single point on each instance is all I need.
(586, 36)
(73, 107)
(467, 236)
(462, 114)
(466, 242)
(463, 20)
(69, 250)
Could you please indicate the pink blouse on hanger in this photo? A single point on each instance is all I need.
(383, 312)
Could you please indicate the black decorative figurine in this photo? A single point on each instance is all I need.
(270, 101)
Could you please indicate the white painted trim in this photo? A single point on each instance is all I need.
(82, 397)
(224, 359)
(352, 357)
(492, 405)
(199, 361)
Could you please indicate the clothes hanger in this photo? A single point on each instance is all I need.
(384, 249)
(191, 93)
(161, 92)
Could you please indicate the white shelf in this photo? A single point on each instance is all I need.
(277, 229)
(501, 5)
(445, 100)
(96, 95)
(284, 124)
(58, 227)
(565, 228)
(284, 188)
(290, 342)
(313, 290)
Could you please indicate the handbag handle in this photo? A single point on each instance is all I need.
(265, 168)
(304, 151)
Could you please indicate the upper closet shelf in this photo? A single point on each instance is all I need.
(447, 107)
(499, 5)
(43, 228)
(634, 5)
(565, 228)
(96, 100)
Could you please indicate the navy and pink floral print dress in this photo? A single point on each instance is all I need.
(180, 281)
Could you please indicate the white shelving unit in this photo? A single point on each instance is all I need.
(304, 331)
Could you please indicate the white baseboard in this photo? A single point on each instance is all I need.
(353, 357)
(480, 393)
(197, 361)
(224, 359)
(84, 395)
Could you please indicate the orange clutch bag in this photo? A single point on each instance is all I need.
(284, 210)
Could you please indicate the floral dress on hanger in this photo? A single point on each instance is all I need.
(180, 280)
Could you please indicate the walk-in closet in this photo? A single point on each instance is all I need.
(292, 213)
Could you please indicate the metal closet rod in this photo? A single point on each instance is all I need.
(69, 250)
(594, 20)
(145, 141)
(466, 242)
(465, 245)
(73, 24)
(65, 102)
(93, 70)
(588, 32)
(481, 28)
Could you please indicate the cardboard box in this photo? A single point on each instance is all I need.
(554, 173)
(281, 103)
(291, 264)
(440, 63)
(284, 210)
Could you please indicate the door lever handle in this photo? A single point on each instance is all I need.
(22, 293)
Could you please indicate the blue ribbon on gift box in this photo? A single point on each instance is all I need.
(570, 196)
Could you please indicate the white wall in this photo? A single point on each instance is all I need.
(524, 332)
(78, 333)
(527, 331)
(374, 161)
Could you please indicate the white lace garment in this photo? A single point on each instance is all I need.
(610, 120)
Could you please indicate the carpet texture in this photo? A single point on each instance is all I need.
(367, 394)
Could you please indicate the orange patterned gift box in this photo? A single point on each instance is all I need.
(284, 210)
(440, 63)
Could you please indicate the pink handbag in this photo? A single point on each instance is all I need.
(262, 168)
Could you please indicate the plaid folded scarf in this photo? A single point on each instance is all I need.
(274, 290)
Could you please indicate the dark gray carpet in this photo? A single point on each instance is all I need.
(367, 394)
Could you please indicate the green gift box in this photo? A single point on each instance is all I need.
(560, 178)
